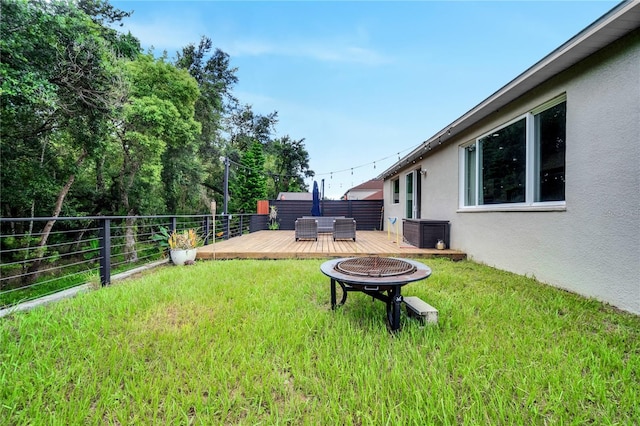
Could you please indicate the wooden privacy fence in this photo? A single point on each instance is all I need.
(367, 213)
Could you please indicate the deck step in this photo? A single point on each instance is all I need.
(420, 308)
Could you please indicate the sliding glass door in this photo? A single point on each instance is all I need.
(413, 189)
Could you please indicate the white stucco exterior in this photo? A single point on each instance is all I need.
(591, 245)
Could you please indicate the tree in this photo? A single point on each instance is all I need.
(157, 135)
(57, 72)
(288, 165)
(182, 170)
(215, 80)
(250, 185)
(245, 127)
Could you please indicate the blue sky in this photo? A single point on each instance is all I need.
(365, 82)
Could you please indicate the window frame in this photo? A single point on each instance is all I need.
(410, 195)
(395, 195)
(531, 168)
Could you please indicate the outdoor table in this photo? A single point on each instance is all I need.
(379, 277)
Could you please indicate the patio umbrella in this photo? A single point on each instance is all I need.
(315, 208)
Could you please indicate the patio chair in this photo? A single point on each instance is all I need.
(306, 229)
(344, 228)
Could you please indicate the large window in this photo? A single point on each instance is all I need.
(519, 163)
(503, 165)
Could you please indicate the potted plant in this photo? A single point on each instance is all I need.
(273, 218)
(181, 245)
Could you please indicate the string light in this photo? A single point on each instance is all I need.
(368, 164)
(275, 175)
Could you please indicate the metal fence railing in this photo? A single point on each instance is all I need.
(42, 256)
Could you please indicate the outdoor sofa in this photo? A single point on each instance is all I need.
(325, 223)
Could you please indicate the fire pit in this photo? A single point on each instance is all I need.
(380, 277)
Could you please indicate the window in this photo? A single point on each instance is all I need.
(395, 193)
(550, 133)
(519, 163)
(503, 165)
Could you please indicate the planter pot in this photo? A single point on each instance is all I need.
(178, 257)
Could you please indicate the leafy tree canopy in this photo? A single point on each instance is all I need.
(56, 75)
(91, 125)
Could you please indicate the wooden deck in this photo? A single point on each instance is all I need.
(282, 245)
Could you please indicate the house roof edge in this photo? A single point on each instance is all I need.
(621, 20)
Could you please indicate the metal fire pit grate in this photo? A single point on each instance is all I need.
(374, 267)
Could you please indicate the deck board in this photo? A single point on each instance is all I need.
(282, 245)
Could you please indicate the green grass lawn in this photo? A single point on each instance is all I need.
(255, 342)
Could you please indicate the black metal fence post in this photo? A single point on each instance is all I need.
(105, 252)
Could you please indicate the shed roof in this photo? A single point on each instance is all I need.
(615, 24)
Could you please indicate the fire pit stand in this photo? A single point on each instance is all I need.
(380, 277)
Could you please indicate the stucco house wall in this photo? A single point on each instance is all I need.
(590, 246)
